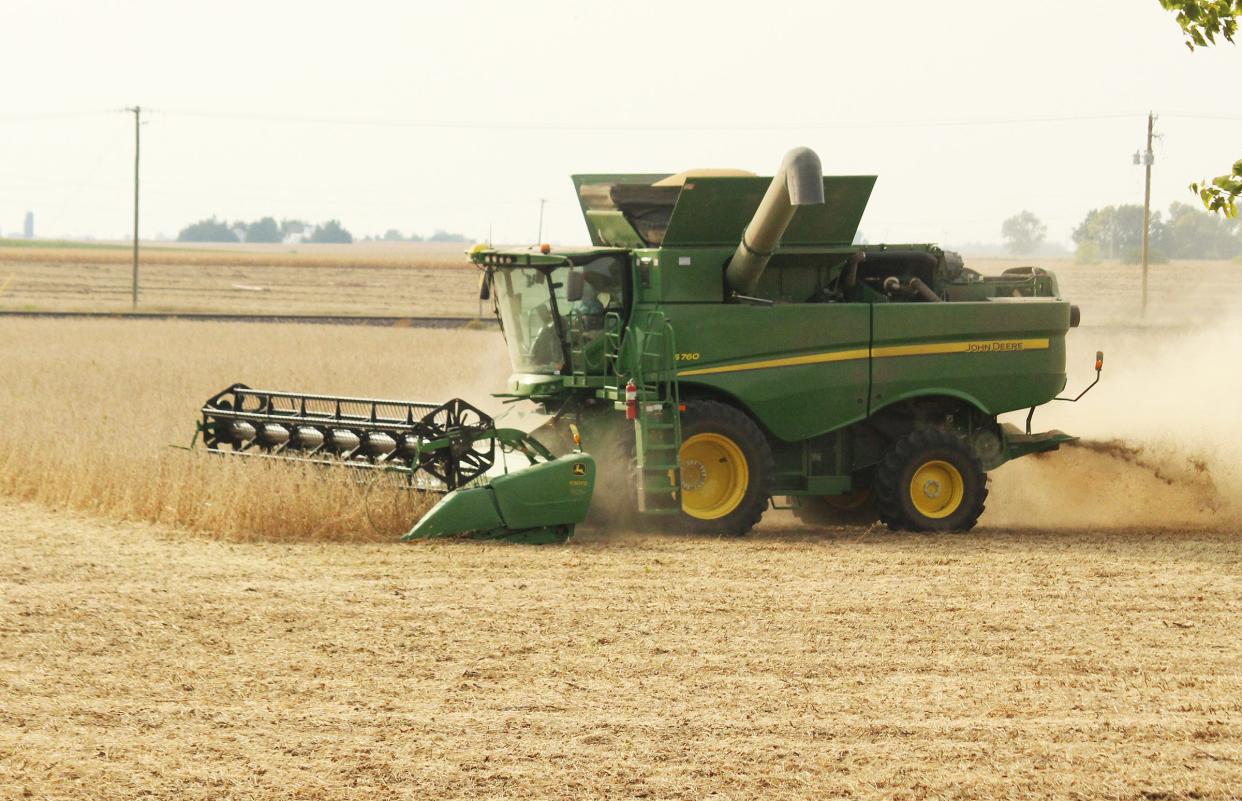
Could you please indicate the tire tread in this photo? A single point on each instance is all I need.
(888, 479)
(738, 425)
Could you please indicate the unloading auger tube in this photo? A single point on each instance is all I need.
(799, 182)
(448, 448)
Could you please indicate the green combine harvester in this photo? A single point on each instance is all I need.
(721, 344)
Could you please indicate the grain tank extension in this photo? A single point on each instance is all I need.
(722, 345)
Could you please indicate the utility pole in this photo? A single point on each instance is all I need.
(1147, 158)
(539, 239)
(137, 110)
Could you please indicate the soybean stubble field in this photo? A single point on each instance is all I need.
(179, 627)
(382, 278)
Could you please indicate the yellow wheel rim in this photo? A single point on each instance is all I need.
(714, 476)
(936, 489)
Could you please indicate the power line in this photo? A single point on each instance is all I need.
(696, 127)
(500, 125)
(1198, 116)
(54, 115)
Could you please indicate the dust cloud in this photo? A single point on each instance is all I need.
(1160, 436)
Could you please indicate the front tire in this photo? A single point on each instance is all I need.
(930, 480)
(726, 469)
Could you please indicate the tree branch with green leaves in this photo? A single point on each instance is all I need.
(1202, 22)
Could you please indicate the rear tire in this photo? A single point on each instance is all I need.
(726, 470)
(853, 508)
(930, 481)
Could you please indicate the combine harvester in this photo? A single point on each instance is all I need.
(722, 343)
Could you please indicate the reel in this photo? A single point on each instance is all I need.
(452, 443)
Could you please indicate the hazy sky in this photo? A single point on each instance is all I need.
(459, 115)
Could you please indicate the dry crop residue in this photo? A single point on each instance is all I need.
(1006, 664)
(1109, 484)
(360, 280)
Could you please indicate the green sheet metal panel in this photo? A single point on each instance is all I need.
(1002, 356)
(688, 275)
(800, 369)
(715, 211)
(612, 229)
(542, 497)
(462, 511)
(555, 493)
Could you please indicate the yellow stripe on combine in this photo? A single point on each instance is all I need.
(792, 361)
(985, 346)
(972, 346)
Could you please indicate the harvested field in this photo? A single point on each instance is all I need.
(438, 280)
(310, 279)
(174, 626)
(442, 255)
(1181, 294)
(135, 662)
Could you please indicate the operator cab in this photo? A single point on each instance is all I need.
(553, 308)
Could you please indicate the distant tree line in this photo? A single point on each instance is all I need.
(440, 235)
(264, 230)
(268, 230)
(1116, 232)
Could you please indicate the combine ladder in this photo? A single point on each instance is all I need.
(657, 431)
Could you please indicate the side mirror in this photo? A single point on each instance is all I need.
(485, 286)
(573, 286)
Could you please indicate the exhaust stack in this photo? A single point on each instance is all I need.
(799, 182)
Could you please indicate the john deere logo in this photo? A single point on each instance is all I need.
(579, 469)
(993, 347)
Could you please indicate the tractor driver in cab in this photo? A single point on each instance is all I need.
(594, 291)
